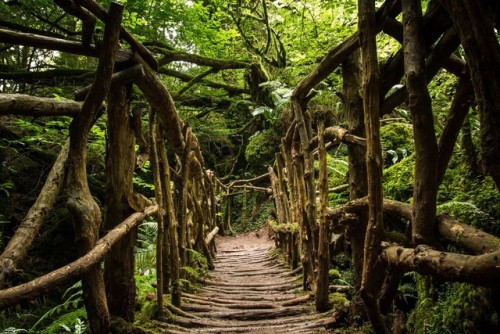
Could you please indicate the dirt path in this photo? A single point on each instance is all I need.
(248, 292)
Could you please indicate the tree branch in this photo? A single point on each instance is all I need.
(479, 269)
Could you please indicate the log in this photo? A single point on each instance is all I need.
(256, 314)
(339, 288)
(481, 270)
(28, 105)
(45, 283)
(337, 133)
(210, 236)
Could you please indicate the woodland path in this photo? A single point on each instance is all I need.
(249, 292)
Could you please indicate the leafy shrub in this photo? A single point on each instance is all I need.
(397, 141)
(399, 179)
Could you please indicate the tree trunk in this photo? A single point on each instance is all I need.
(120, 162)
(462, 101)
(474, 22)
(419, 101)
(372, 270)
(19, 104)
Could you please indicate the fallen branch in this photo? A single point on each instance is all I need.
(28, 105)
(210, 237)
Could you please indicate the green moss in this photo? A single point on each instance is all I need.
(333, 274)
(338, 301)
(283, 228)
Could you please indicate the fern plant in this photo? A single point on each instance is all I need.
(145, 252)
(72, 301)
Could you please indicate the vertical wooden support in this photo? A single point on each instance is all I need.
(85, 211)
(358, 187)
(426, 149)
(371, 277)
(182, 185)
(155, 166)
(305, 230)
(322, 292)
(120, 163)
(172, 228)
(244, 208)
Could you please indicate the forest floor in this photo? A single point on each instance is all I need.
(249, 292)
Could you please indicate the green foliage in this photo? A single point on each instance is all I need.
(68, 313)
(145, 251)
(466, 212)
(5, 188)
(460, 308)
(398, 180)
(397, 142)
(337, 168)
(72, 322)
(255, 218)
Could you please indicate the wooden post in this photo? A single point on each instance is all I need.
(426, 149)
(155, 166)
(172, 227)
(371, 280)
(322, 292)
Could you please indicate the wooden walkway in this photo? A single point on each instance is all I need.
(248, 292)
